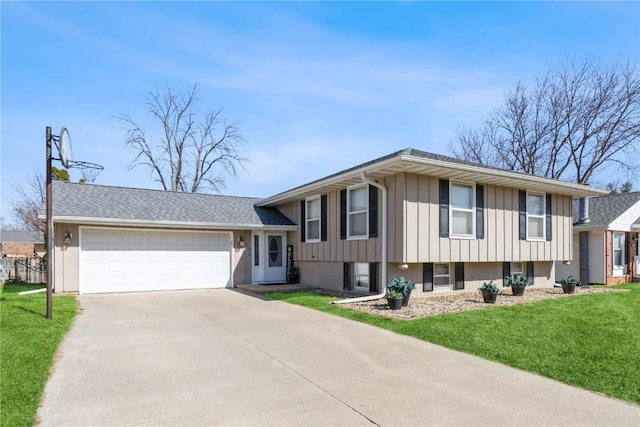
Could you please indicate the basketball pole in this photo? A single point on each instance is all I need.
(49, 139)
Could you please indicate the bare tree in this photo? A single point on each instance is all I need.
(32, 200)
(570, 123)
(193, 151)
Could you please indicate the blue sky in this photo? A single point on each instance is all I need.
(317, 87)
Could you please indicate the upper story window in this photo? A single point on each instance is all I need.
(535, 216)
(357, 214)
(462, 210)
(312, 221)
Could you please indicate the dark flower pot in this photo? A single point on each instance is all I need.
(517, 291)
(394, 304)
(405, 300)
(489, 297)
(569, 288)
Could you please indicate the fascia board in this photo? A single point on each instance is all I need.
(168, 224)
(512, 179)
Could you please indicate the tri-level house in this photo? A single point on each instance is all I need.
(444, 223)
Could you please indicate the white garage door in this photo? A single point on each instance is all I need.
(113, 260)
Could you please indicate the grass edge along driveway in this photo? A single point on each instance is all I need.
(590, 341)
(27, 349)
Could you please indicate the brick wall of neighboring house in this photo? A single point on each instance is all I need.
(17, 249)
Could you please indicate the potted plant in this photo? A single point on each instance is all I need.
(403, 286)
(293, 274)
(394, 299)
(569, 284)
(518, 284)
(489, 292)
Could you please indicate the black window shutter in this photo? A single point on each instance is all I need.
(323, 218)
(343, 214)
(373, 277)
(427, 276)
(444, 208)
(479, 211)
(346, 276)
(522, 213)
(506, 272)
(303, 220)
(373, 211)
(459, 273)
(548, 214)
(530, 272)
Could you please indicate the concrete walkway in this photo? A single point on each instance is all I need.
(222, 357)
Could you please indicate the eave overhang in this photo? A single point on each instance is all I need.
(138, 223)
(432, 167)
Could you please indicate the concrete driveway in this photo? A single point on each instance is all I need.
(221, 357)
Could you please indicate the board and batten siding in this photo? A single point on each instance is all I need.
(413, 229)
(500, 243)
(334, 248)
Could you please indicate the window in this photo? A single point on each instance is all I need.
(517, 269)
(313, 219)
(462, 210)
(361, 276)
(357, 214)
(619, 259)
(441, 277)
(535, 216)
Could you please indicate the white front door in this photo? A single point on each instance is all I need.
(269, 257)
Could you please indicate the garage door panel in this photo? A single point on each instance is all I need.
(132, 260)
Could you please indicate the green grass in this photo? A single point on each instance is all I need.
(28, 345)
(591, 341)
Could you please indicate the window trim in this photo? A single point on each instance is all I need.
(471, 211)
(542, 216)
(623, 244)
(365, 211)
(355, 278)
(318, 219)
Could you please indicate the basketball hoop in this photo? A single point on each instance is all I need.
(89, 171)
(64, 147)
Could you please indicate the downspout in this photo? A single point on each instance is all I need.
(383, 270)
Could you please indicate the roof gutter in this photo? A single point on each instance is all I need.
(384, 247)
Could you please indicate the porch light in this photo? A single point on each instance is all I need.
(67, 238)
(240, 242)
(566, 262)
(403, 266)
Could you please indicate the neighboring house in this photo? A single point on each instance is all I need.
(444, 223)
(605, 240)
(21, 243)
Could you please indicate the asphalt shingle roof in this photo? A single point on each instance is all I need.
(119, 203)
(603, 210)
(13, 236)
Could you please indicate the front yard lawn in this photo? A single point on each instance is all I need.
(27, 348)
(591, 341)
